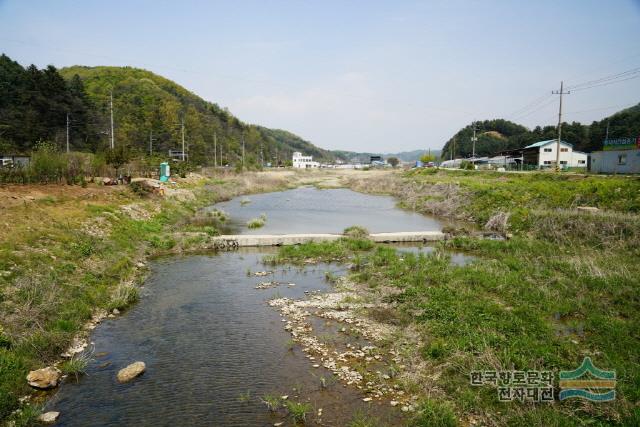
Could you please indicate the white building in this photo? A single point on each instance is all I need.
(303, 162)
(543, 154)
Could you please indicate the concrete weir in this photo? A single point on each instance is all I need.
(243, 240)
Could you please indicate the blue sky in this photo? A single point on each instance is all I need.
(354, 75)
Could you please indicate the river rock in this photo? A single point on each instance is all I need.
(49, 417)
(131, 371)
(44, 378)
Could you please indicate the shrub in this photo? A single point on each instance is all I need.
(47, 164)
(356, 231)
(124, 296)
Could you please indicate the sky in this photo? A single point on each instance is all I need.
(353, 75)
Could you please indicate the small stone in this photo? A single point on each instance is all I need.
(44, 378)
(316, 365)
(49, 417)
(115, 311)
(367, 399)
(131, 371)
(140, 264)
(394, 403)
(285, 397)
(278, 424)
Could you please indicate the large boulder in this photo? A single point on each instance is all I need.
(44, 378)
(131, 371)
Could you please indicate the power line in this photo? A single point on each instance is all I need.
(602, 108)
(606, 78)
(530, 105)
(520, 117)
(607, 83)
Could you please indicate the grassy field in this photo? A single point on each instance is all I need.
(565, 285)
(68, 251)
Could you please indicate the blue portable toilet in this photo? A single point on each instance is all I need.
(165, 172)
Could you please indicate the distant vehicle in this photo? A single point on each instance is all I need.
(431, 165)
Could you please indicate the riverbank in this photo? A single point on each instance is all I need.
(71, 254)
(562, 286)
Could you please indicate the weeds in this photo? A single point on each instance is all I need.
(297, 410)
(244, 397)
(435, 414)
(273, 403)
(258, 222)
(356, 232)
(123, 296)
(77, 365)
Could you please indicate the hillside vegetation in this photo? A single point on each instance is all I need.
(35, 103)
(499, 134)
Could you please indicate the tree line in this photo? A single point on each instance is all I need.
(149, 112)
(499, 134)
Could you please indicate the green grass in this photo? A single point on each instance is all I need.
(273, 403)
(258, 222)
(76, 365)
(337, 250)
(356, 231)
(54, 273)
(297, 410)
(435, 414)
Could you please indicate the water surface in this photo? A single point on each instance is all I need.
(212, 347)
(311, 210)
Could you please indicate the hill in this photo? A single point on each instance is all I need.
(36, 104)
(499, 134)
(405, 156)
(146, 103)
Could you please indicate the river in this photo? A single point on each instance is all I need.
(212, 346)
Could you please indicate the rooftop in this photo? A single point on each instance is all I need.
(549, 141)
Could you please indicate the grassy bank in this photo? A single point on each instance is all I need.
(564, 286)
(70, 251)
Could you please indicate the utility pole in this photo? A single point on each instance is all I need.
(243, 151)
(111, 109)
(67, 132)
(473, 140)
(182, 131)
(454, 147)
(215, 150)
(606, 137)
(561, 92)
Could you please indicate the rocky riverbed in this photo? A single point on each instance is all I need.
(359, 353)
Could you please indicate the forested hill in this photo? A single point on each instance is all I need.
(34, 105)
(499, 134)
